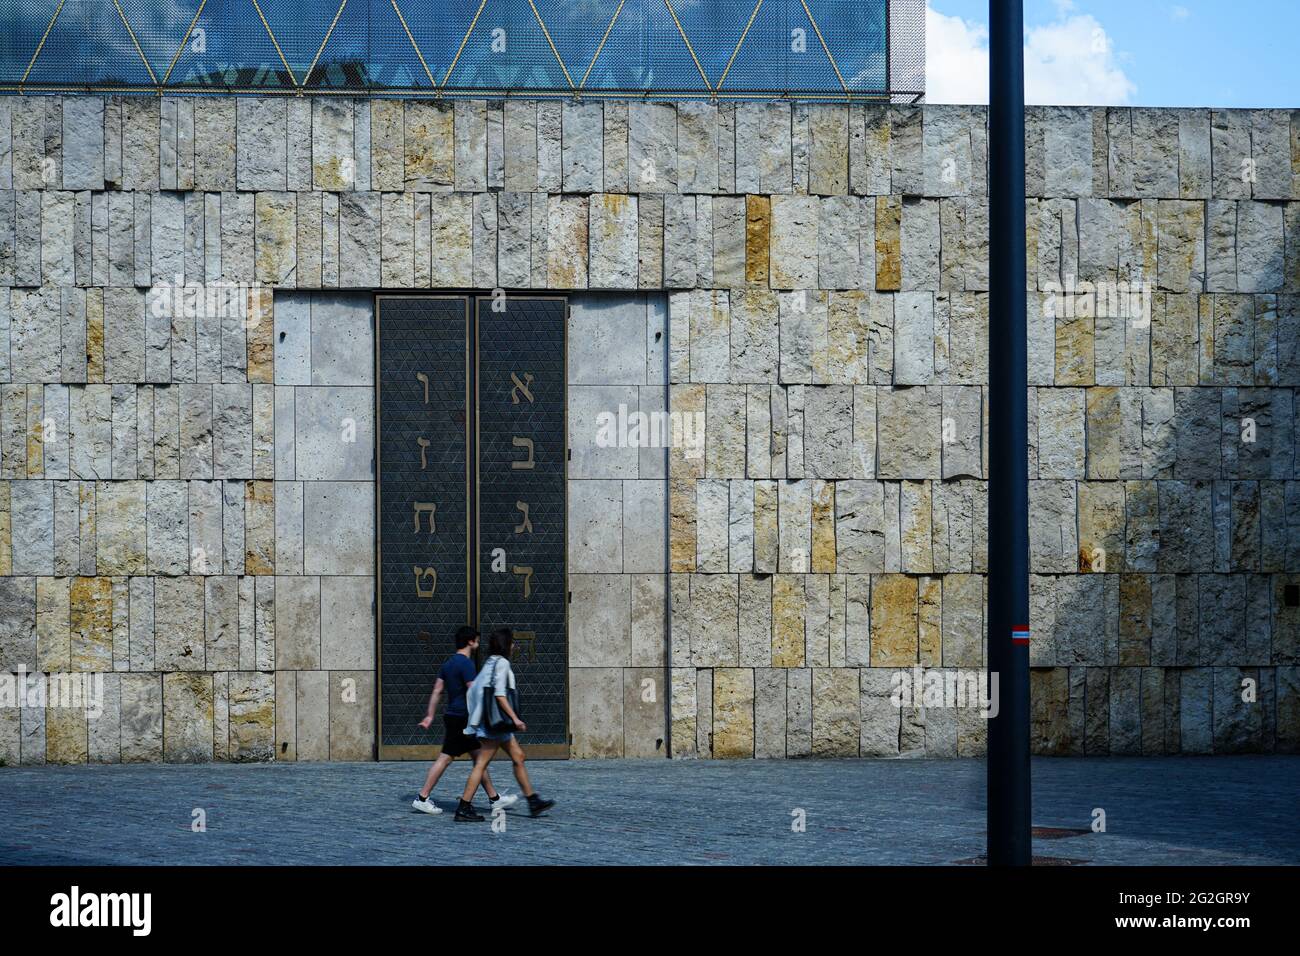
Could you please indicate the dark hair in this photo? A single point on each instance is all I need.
(464, 635)
(501, 641)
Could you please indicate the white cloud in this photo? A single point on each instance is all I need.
(1070, 61)
(956, 59)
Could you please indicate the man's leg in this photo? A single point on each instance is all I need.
(436, 771)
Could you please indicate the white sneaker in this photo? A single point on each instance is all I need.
(505, 801)
(425, 806)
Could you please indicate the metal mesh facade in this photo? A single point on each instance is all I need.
(803, 49)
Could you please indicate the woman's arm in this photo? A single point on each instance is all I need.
(504, 704)
(503, 701)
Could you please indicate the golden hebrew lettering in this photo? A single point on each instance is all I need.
(425, 507)
(423, 443)
(520, 388)
(420, 575)
(527, 574)
(526, 524)
(529, 638)
(528, 463)
(421, 377)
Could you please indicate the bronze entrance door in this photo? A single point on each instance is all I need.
(471, 505)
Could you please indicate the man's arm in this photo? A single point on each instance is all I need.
(433, 704)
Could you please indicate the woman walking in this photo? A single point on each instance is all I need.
(494, 718)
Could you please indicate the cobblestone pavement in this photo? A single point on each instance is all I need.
(1173, 810)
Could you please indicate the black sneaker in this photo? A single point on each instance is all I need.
(465, 813)
(537, 806)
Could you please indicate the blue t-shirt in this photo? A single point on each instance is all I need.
(457, 674)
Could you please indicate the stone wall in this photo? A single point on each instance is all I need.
(180, 513)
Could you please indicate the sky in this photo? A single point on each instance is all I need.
(1219, 53)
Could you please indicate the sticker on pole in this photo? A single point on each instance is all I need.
(1020, 635)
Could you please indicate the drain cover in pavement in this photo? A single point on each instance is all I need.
(1035, 861)
(1058, 833)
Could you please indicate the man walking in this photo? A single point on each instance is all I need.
(454, 679)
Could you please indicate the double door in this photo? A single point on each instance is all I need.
(471, 510)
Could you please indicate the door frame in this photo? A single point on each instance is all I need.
(471, 298)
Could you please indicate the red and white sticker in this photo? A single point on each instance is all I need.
(1020, 635)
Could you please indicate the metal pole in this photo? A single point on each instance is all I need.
(1008, 505)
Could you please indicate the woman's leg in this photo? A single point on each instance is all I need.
(485, 754)
(516, 753)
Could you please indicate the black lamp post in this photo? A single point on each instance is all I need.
(1008, 478)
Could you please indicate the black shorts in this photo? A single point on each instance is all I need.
(456, 741)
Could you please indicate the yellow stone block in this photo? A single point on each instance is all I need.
(894, 626)
(91, 609)
(261, 336)
(1074, 351)
(758, 231)
(259, 527)
(823, 527)
(930, 621)
(6, 532)
(681, 524)
(733, 712)
(95, 335)
(789, 610)
(889, 246)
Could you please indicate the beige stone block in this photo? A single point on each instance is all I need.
(259, 527)
(835, 712)
(428, 147)
(1074, 351)
(142, 718)
(596, 711)
(1049, 725)
(1101, 526)
(120, 527)
(682, 523)
(352, 715)
(1105, 422)
(311, 715)
(53, 624)
(684, 712)
(286, 693)
(65, 725)
(178, 621)
(187, 717)
(643, 712)
(567, 228)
